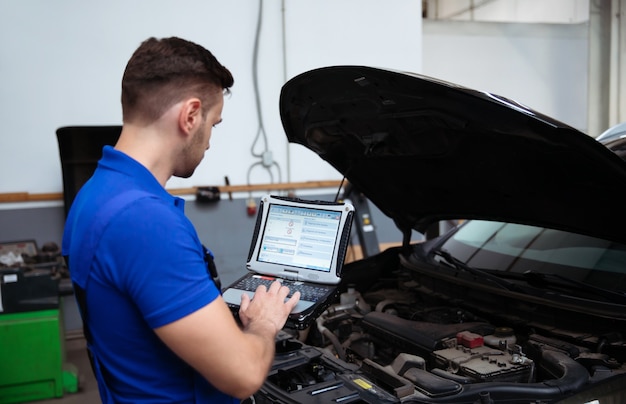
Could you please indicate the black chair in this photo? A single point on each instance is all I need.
(80, 148)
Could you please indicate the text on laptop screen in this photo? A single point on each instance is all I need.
(300, 237)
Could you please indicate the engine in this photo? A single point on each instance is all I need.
(411, 343)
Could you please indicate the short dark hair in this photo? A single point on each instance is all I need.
(162, 72)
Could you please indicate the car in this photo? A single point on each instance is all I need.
(614, 132)
(523, 300)
(615, 139)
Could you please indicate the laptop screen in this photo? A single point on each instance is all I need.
(300, 239)
(300, 236)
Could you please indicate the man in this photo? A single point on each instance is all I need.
(157, 328)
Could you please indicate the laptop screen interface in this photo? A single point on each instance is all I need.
(300, 237)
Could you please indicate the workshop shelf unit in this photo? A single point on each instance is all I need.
(32, 336)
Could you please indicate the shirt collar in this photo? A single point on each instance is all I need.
(116, 160)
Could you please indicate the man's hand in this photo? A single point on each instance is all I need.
(235, 361)
(268, 306)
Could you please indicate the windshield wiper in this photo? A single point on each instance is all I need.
(556, 279)
(460, 265)
(536, 279)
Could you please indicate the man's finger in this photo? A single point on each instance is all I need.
(275, 287)
(261, 288)
(293, 300)
(245, 302)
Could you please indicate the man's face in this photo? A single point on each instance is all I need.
(199, 142)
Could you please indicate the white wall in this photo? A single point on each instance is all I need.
(61, 64)
(543, 66)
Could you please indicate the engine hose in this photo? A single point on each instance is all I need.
(485, 397)
(335, 341)
(384, 303)
(329, 334)
(351, 338)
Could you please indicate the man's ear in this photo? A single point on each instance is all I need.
(190, 115)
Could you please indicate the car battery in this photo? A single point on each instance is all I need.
(484, 364)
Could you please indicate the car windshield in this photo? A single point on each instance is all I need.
(518, 248)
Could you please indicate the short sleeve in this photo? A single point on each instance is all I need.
(153, 255)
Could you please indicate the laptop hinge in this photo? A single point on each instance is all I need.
(290, 275)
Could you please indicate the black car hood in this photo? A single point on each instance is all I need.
(424, 150)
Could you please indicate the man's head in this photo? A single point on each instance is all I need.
(163, 72)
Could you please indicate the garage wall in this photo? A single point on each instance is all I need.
(62, 62)
(543, 66)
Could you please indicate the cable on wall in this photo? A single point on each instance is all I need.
(284, 44)
(265, 157)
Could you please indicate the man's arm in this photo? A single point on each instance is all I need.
(234, 360)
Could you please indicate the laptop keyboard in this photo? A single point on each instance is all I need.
(308, 292)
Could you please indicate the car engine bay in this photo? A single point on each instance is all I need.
(398, 335)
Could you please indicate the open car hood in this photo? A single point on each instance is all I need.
(424, 150)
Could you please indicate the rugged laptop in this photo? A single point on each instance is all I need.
(301, 243)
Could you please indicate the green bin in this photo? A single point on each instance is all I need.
(31, 357)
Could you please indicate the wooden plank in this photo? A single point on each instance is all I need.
(224, 189)
(14, 197)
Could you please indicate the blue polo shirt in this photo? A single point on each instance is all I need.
(141, 263)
